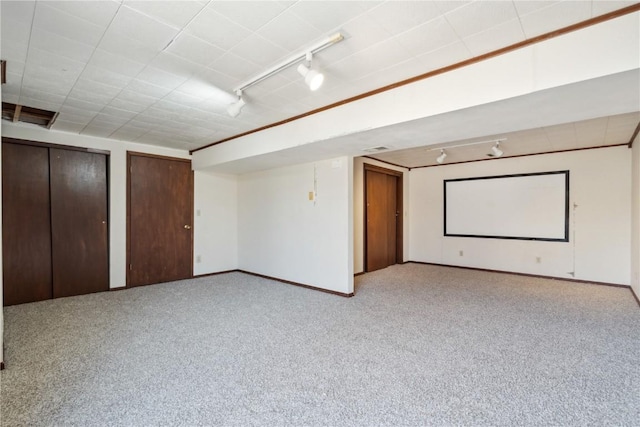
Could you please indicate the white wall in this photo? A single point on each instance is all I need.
(117, 182)
(600, 225)
(283, 234)
(215, 223)
(635, 215)
(358, 210)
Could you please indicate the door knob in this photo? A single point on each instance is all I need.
(188, 227)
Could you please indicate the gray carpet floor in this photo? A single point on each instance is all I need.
(417, 345)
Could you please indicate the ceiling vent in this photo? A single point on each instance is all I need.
(21, 113)
(375, 149)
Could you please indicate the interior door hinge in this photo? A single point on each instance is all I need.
(130, 267)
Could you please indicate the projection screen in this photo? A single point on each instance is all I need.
(532, 206)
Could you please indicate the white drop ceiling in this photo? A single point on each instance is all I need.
(163, 72)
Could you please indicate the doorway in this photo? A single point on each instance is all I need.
(159, 219)
(382, 217)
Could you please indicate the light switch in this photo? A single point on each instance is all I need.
(311, 196)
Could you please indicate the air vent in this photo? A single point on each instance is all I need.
(21, 113)
(375, 149)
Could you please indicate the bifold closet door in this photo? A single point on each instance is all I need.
(26, 224)
(79, 222)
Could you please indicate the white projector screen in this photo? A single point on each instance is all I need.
(527, 206)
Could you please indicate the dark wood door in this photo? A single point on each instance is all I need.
(79, 222)
(382, 220)
(26, 224)
(160, 210)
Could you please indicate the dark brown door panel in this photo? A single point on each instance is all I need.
(160, 218)
(26, 232)
(79, 216)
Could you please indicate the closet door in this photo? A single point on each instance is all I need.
(26, 231)
(79, 222)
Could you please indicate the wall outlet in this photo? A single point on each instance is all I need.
(198, 258)
(538, 260)
(461, 253)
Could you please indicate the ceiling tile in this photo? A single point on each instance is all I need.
(134, 98)
(557, 16)
(117, 112)
(145, 88)
(44, 83)
(130, 49)
(81, 104)
(496, 37)
(449, 5)
(480, 16)
(97, 12)
(103, 119)
(235, 66)
(51, 98)
(250, 14)
(69, 26)
(202, 90)
(116, 63)
(174, 13)
(259, 51)
(600, 7)
(74, 114)
(67, 126)
(427, 37)
(14, 54)
(194, 49)
(127, 105)
(90, 96)
(16, 22)
(176, 65)
(289, 31)
(86, 85)
(398, 17)
(59, 45)
(99, 131)
(131, 24)
(524, 7)
(159, 77)
(216, 29)
(104, 76)
(329, 16)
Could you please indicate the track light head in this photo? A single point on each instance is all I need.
(235, 108)
(441, 157)
(312, 78)
(497, 152)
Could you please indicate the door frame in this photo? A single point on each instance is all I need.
(399, 206)
(128, 196)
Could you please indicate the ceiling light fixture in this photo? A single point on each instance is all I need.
(312, 78)
(441, 157)
(497, 152)
(235, 108)
(491, 141)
